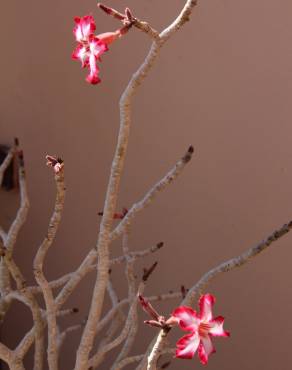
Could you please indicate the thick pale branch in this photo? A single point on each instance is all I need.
(146, 28)
(15, 272)
(27, 341)
(3, 234)
(109, 209)
(39, 274)
(5, 288)
(117, 320)
(9, 238)
(157, 349)
(31, 301)
(117, 260)
(5, 353)
(108, 347)
(23, 209)
(183, 17)
(9, 357)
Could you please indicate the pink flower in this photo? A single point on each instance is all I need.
(90, 47)
(202, 327)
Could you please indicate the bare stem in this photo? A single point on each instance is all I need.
(39, 274)
(130, 275)
(235, 262)
(23, 209)
(6, 163)
(31, 301)
(152, 193)
(210, 275)
(123, 335)
(157, 349)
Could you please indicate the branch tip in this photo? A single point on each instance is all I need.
(148, 272)
(56, 163)
(149, 309)
(110, 11)
(159, 245)
(129, 15)
(153, 323)
(183, 291)
(188, 156)
(191, 149)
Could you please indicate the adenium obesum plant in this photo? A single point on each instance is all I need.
(202, 327)
(90, 47)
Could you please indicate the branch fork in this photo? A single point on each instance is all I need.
(129, 20)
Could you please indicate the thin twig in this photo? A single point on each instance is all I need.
(152, 193)
(129, 360)
(235, 262)
(54, 284)
(131, 296)
(108, 347)
(4, 165)
(62, 336)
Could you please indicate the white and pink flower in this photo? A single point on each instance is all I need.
(202, 327)
(90, 47)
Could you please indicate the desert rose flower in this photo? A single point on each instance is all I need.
(90, 47)
(202, 327)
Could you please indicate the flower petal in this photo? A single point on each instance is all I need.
(205, 349)
(81, 53)
(206, 303)
(96, 46)
(85, 26)
(187, 346)
(188, 318)
(93, 75)
(217, 327)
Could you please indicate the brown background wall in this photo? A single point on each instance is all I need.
(222, 84)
